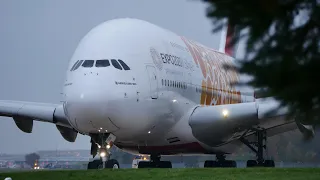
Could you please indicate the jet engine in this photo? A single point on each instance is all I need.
(214, 125)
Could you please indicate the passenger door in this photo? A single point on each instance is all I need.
(153, 82)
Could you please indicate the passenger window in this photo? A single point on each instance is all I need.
(78, 65)
(116, 64)
(102, 63)
(74, 65)
(124, 65)
(88, 63)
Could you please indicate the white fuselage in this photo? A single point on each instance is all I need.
(148, 105)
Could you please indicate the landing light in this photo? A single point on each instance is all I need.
(149, 132)
(174, 100)
(108, 146)
(102, 154)
(225, 113)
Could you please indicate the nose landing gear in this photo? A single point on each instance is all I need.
(101, 143)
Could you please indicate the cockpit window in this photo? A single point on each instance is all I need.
(78, 65)
(74, 65)
(88, 63)
(102, 63)
(116, 64)
(124, 65)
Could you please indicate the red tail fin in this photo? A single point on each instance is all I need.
(228, 47)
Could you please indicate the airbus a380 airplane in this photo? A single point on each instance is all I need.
(149, 91)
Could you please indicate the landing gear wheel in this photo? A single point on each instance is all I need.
(224, 163)
(252, 163)
(112, 164)
(269, 163)
(159, 164)
(229, 164)
(155, 162)
(145, 164)
(208, 164)
(95, 164)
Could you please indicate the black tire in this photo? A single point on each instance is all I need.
(269, 163)
(213, 164)
(252, 163)
(112, 164)
(216, 164)
(145, 164)
(227, 164)
(160, 164)
(208, 164)
(94, 164)
(232, 164)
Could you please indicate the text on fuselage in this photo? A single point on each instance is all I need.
(171, 59)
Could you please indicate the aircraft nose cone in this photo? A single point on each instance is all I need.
(86, 96)
(87, 109)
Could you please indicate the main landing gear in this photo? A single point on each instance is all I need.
(101, 143)
(258, 147)
(155, 162)
(220, 162)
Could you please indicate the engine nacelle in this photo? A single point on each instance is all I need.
(23, 123)
(214, 125)
(67, 133)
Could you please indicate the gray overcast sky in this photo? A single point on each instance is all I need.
(38, 37)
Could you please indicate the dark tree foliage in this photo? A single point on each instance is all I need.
(281, 55)
(31, 158)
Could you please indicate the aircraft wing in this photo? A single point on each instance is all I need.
(24, 113)
(220, 124)
(275, 122)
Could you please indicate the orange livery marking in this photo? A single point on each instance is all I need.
(216, 88)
